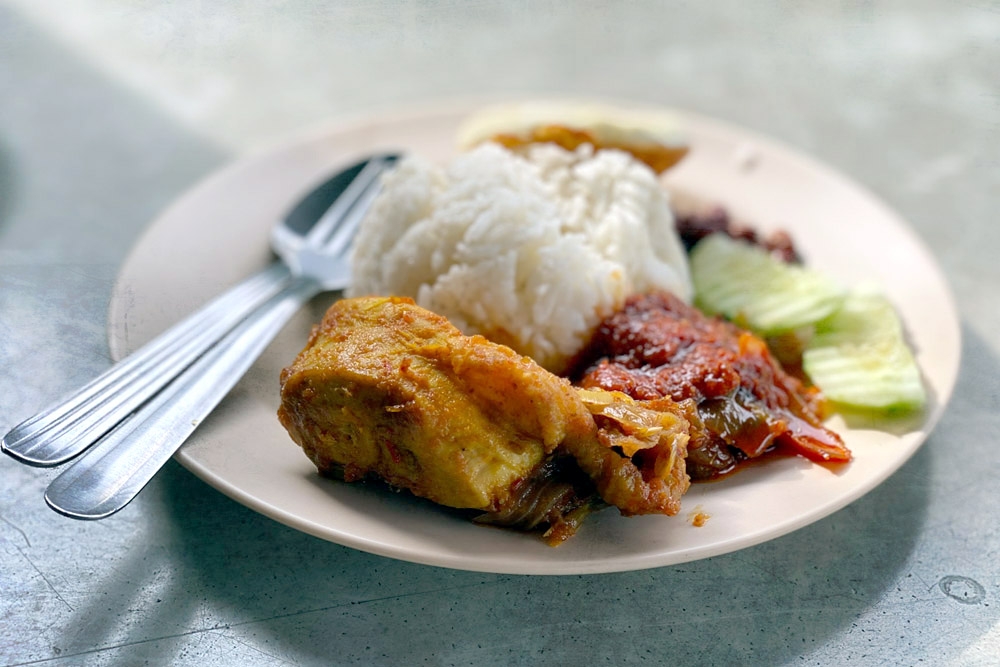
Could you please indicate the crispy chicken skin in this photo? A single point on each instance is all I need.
(386, 388)
(637, 460)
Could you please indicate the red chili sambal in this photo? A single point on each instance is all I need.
(658, 346)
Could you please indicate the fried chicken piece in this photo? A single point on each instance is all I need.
(389, 389)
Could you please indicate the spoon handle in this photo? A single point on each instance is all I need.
(112, 473)
(73, 424)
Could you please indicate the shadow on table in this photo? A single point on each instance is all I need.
(284, 595)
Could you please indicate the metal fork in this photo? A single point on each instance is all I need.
(69, 427)
(113, 472)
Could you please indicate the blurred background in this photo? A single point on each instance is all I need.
(111, 109)
(840, 80)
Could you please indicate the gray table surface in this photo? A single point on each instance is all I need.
(109, 110)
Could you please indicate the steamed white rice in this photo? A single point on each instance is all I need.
(529, 250)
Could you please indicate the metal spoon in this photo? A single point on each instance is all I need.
(72, 425)
(113, 472)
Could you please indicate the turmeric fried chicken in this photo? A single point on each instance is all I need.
(387, 389)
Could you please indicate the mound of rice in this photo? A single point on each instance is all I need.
(531, 250)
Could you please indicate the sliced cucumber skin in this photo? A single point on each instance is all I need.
(856, 353)
(859, 357)
(745, 284)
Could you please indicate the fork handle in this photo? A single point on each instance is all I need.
(73, 424)
(112, 473)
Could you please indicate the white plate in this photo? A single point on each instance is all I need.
(218, 233)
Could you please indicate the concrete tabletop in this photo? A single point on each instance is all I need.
(110, 110)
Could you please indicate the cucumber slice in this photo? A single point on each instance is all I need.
(859, 358)
(745, 284)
